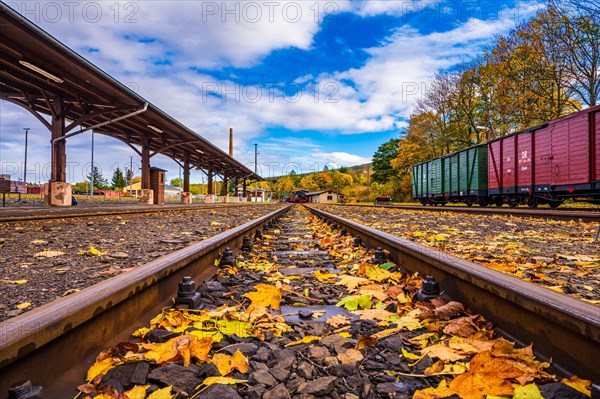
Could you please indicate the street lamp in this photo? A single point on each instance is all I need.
(25, 166)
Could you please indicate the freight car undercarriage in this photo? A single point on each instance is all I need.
(552, 196)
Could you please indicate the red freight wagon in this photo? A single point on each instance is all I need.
(548, 163)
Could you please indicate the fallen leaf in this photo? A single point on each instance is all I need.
(221, 380)
(487, 376)
(215, 223)
(353, 302)
(351, 282)
(100, 367)
(338, 320)
(226, 364)
(306, 340)
(265, 295)
(410, 356)
(582, 386)
(463, 327)
(137, 392)
(530, 391)
(163, 393)
(96, 252)
(442, 352)
(23, 305)
(324, 276)
(442, 391)
(364, 341)
(48, 254)
(18, 282)
(350, 356)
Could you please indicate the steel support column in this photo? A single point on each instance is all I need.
(186, 173)
(59, 154)
(244, 185)
(236, 189)
(210, 182)
(225, 182)
(145, 162)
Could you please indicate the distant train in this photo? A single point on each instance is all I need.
(298, 197)
(545, 164)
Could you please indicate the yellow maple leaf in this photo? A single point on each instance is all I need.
(324, 276)
(530, 391)
(582, 386)
(137, 392)
(220, 380)
(97, 252)
(23, 305)
(265, 295)
(164, 393)
(487, 376)
(184, 346)
(226, 363)
(442, 391)
(306, 340)
(100, 367)
(351, 282)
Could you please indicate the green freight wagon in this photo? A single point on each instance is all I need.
(427, 181)
(465, 177)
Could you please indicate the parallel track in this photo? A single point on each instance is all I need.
(590, 215)
(69, 332)
(26, 215)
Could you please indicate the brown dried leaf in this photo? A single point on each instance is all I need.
(462, 327)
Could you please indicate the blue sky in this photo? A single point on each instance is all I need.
(312, 82)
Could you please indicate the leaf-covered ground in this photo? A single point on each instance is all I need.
(44, 260)
(560, 255)
(307, 325)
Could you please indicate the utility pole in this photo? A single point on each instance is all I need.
(130, 174)
(25, 166)
(255, 171)
(92, 178)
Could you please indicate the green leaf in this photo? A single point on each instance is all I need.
(353, 302)
(387, 265)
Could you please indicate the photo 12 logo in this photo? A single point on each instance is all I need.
(75, 11)
(268, 11)
(319, 92)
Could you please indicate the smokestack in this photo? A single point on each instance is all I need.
(231, 142)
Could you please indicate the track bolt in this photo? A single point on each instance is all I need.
(25, 390)
(334, 227)
(357, 241)
(379, 257)
(429, 290)
(328, 222)
(247, 244)
(187, 295)
(343, 232)
(227, 259)
(258, 235)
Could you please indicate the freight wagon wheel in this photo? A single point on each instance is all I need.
(469, 203)
(532, 202)
(499, 202)
(555, 204)
(513, 203)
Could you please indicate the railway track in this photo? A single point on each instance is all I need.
(74, 329)
(586, 215)
(32, 214)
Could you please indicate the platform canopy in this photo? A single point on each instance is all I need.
(44, 76)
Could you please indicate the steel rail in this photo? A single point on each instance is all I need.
(563, 214)
(85, 212)
(55, 344)
(562, 328)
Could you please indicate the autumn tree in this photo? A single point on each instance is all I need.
(382, 158)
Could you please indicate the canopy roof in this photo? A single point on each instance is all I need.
(36, 70)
